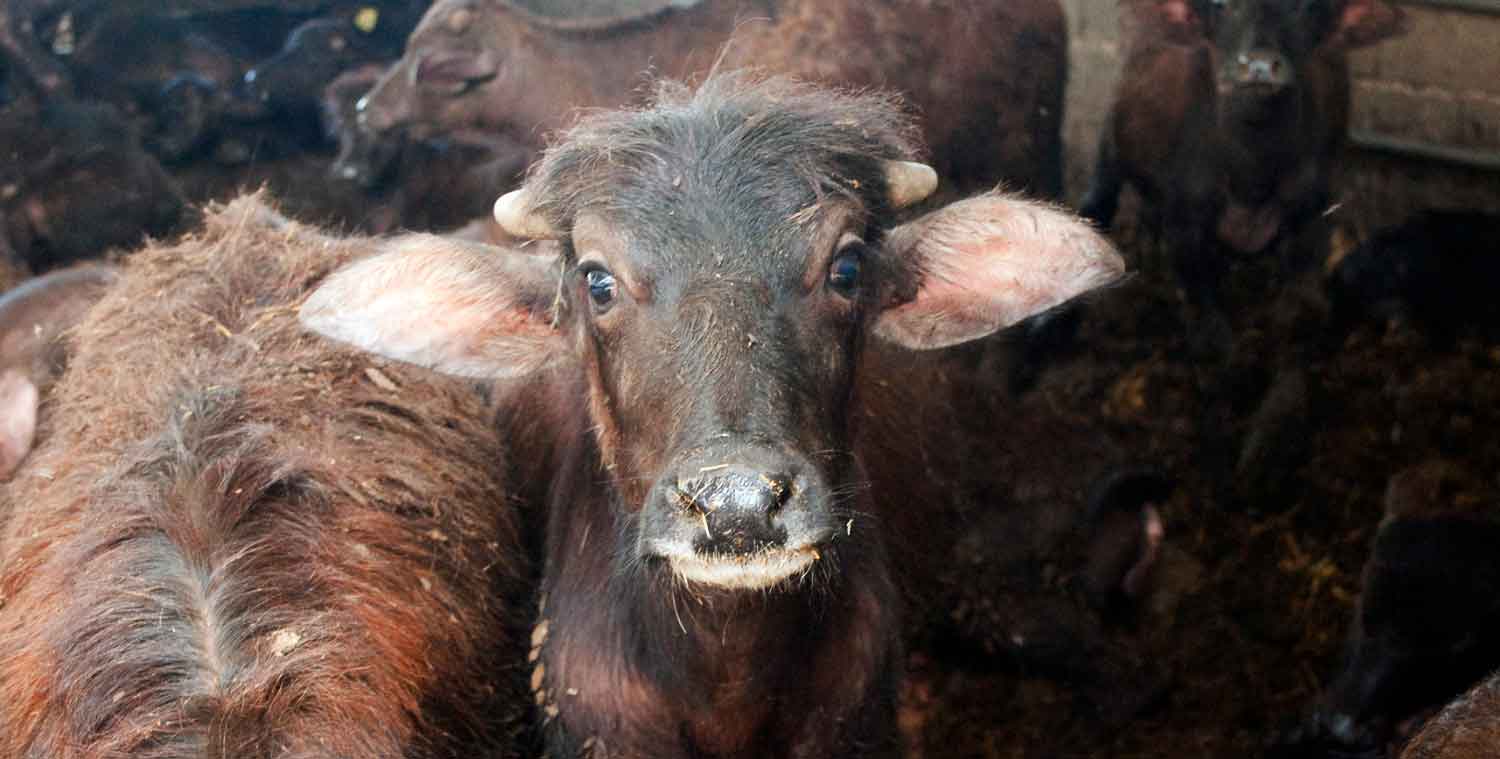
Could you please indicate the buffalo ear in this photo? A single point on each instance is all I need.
(1176, 12)
(1365, 22)
(1124, 534)
(988, 262)
(458, 307)
(1176, 16)
(18, 410)
(454, 72)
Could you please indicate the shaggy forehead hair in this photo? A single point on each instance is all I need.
(743, 134)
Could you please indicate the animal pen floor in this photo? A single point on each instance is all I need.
(1263, 592)
(1260, 595)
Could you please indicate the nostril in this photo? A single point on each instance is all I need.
(683, 495)
(780, 487)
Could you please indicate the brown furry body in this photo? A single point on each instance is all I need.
(1468, 728)
(240, 540)
(987, 78)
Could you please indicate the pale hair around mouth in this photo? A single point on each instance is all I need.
(754, 572)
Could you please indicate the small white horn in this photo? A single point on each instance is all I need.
(909, 182)
(513, 214)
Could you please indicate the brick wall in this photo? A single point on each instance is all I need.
(1093, 27)
(1439, 85)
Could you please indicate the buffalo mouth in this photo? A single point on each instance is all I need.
(1256, 104)
(758, 570)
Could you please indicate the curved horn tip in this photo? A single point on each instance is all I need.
(909, 182)
(513, 214)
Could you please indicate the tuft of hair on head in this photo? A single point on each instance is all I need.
(822, 131)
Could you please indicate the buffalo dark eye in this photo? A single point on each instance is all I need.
(602, 288)
(843, 272)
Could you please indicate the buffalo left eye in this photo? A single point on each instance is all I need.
(602, 288)
(843, 272)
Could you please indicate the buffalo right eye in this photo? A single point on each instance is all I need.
(602, 288)
(843, 273)
(845, 268)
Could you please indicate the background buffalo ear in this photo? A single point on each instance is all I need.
(458, 307)
(1365, 22)
(1177, 16)
(454, 72)
(1176, 12)
(18, 412)
(988, 262)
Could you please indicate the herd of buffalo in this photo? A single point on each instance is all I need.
(670, 379)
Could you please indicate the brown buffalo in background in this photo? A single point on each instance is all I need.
(1227, 118)
(987, 78)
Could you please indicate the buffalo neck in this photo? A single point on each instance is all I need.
(648, 666)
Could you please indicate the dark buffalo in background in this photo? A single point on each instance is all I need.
(175, 77)
(987, 78)
(137, 89)
(1428, 619)
(363, 158)
(76, 182)
(341, 38)
(1436, 270)
(201, 75)
(403, 182)
(237, 539)
(725, 254)
(36, 34)
(1228, 119)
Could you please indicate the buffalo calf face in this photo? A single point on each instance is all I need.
(725, 255)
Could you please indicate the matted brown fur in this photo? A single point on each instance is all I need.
(1468, 728)
(241, 540)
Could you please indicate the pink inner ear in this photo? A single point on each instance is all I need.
(1176, 12)
(1365, 22)
(1172, 21)
(1354, 12)
(455, 306)
(989, 262)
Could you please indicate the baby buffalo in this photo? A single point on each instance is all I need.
(716, 578)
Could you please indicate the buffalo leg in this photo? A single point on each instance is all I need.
(1102, 201)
